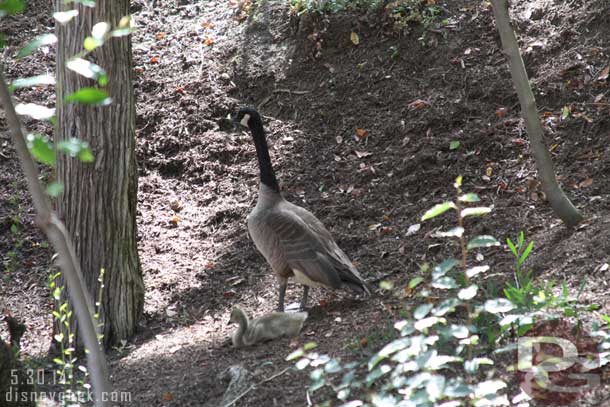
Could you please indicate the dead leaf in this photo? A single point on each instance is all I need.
(167, 396)
(385, 230)
(229, 294)
(603, 75)
(586, 183)
(489, 171)
(362, 154)
(176, 205)
(361, 134)
(501, 112)
(207, 24)
(180, 90)
(418, 104)
(519, 141)
(160, 35)
(364, 342)
(354, 38)
(174, 220)
(154, 60)
(339, 139)
(208, 41)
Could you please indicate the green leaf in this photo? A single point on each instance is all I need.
(76, 148)
(490, 387)
(446, 306)
(471, 366)
(122, 32)
(62, 17)
(376, 374)
(45, 39)
(310, 346)
(99, 30)
(415, 281)
(422, 310)
(526, 252)
(37, 112)
(33, 81)
(302, 363)
(458, 182)
(498, 305)
(91, 43)
(2, 41)
(441, 269)
(54, 189)
(445, 283)
(437, 210)
(605, 318)
(457, 231)
(14, 229)
(454, 145)
(565, 113)
(426, 323)
(475, 211)
(88, 70)
(458, 331)
(468, 293)
(482, 241)
(91, 96)
(386, 285)
(473, 271)
(469, 198)
(10, 7)
(296, 354)
(41, 148)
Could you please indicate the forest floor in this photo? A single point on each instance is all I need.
(360, 134)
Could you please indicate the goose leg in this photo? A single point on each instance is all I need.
(283, 285)
(304, 300)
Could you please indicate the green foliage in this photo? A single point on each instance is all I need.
(69, 372)
(419, 367)
(10, 7)
(300, 7)
(438, 358)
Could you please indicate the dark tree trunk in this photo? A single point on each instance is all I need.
(98, 204)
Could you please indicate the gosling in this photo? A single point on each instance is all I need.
(265, 328)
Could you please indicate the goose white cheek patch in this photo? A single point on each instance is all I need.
(244, 121)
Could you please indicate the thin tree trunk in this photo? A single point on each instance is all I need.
(58, 236)
(99, 200)
(559, 201)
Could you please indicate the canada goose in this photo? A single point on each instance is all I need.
(267, 327)
(292, 240)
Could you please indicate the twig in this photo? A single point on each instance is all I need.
(292, 92)
(252, 387)
(58, 236)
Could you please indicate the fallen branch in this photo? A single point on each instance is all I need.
(58, 236)
(254, 386)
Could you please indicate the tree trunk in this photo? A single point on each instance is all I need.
(98, 204)
(559, 201)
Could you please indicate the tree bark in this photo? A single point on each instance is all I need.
(98, 204)
(559, 201)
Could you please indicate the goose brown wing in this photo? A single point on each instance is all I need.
(307, 246)
(303, 249)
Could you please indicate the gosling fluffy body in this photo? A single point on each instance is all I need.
(266, 327)
(292, 240)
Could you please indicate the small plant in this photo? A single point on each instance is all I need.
(435, 359)
(74, 382)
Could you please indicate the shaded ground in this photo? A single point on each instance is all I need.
(315, 89)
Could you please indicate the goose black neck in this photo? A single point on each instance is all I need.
(262, 152)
